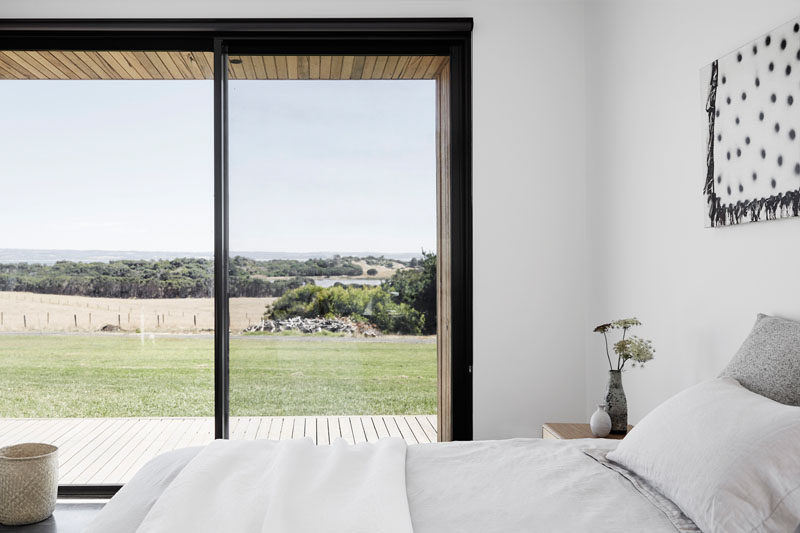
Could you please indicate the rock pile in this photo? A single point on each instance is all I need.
(314, 325)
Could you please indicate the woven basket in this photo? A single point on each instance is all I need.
(28, 483)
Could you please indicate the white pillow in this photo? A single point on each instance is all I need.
(729, 458)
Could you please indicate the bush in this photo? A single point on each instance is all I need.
(372, 272)
(380, 261)
(417, 288)
(368, 304)
(295, 302)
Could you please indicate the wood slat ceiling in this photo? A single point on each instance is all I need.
(81, 65)
(335, 67)
(105, 65)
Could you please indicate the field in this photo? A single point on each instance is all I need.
(25, 311)
(113, 375)
(383, 271)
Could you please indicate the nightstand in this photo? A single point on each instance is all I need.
(559, 431)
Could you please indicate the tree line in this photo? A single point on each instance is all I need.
(169, 278)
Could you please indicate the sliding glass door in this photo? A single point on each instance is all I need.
(106, 264)
(221, 228)
(333, 246)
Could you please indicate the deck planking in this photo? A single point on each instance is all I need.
(97, 451)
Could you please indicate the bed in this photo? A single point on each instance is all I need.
(524, 485)
(734, 466)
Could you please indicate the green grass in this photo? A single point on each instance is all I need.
(98, 376)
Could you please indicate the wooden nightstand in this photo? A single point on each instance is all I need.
(559, 431)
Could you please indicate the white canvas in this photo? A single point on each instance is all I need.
(753, 138)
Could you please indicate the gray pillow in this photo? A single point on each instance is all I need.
(768, 363)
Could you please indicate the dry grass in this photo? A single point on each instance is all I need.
(383, 272)
(29, 312)
(24, 311)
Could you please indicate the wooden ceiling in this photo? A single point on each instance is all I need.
(335, 67)
(104, 65)
(79, 65)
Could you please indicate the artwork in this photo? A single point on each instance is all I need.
(753, 137)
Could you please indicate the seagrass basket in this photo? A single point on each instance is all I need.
(28, 483)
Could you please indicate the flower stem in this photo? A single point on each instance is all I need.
(608, 356)
(619, 357)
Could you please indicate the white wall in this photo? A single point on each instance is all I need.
(571, 102)
(529, 201)
(529, 216)
(697, 290)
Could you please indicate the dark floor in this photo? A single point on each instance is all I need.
(71, 517)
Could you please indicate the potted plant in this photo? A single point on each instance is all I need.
(632, 348)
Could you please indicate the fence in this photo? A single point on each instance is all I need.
(28, 312)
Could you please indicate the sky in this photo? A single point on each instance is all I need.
(128, 165)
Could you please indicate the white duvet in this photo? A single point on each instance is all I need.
(517, 485)
(291, 485)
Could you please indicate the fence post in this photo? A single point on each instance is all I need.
(1, 318)
(90, 319)
(24, 321)
(195, 320)
(75, 318)
(48, 318)
(158, 321)
(119, 321)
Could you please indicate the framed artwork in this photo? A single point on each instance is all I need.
(752, 100)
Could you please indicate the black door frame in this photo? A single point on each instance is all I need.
(411, 36)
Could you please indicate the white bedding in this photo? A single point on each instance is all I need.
(291, 485)
(485, 486)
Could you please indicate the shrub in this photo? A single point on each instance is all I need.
(417, 288)
(369, 304)
(296, 302)
(372, 272)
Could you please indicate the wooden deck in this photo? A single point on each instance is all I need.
(95, 451)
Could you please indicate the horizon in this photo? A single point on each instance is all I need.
(40, 255)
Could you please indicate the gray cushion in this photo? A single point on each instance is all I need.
(768, 363)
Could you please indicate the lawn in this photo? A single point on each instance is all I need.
(121, 376)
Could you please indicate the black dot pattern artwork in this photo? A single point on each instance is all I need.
(753, 148)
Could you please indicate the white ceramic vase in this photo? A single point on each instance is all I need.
(600, 423)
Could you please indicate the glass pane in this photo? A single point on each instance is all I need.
(106, 309)
(333, 266)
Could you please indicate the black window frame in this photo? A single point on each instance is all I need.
(368, 36)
